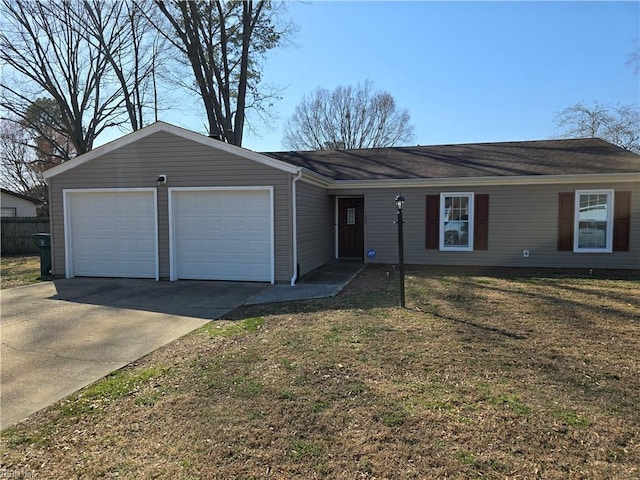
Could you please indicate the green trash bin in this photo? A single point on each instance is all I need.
(43, 242)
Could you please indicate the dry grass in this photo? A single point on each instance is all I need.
(510, 376)
(19, 270)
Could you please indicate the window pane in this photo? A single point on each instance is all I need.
(592, 221)
(456, 221)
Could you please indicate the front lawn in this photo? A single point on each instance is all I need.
(19, 270)
(514, 375)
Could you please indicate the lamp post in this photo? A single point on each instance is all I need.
(400, 206)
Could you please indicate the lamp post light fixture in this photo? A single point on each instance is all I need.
(400, 207)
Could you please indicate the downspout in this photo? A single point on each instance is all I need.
(294, 210)
(49, 213)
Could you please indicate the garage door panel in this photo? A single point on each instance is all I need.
(237, 247)
(222, 234)
(238, 224)
(257, 246)
(258, 223)
(112, 234)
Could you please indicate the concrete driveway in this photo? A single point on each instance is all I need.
(60, 336)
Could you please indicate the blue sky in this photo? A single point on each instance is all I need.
(466, 71)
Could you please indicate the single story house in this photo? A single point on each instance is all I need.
(13, 204)
(167, 203)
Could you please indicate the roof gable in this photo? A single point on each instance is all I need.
(171, 129)
(590, 156)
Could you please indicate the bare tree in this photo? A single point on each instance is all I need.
(21, 168)
(348, 117)
(97, 60)
(634, 57)
(224, 42)
(46, 46)
(31, 145)
(133, 49)
(618, 124)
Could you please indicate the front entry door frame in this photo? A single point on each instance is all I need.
(350, 236)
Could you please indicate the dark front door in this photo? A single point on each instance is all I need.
(350, 228)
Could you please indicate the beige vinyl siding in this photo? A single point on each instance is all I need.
(186, 164)
(315, 234)
(522, 217)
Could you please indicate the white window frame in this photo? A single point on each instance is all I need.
(449, 248)
(576, 223)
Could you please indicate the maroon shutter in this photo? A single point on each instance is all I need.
(481, 222)
(566, 207)
(433, 222)
(621, 221)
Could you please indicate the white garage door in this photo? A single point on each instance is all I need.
(111, 233)
(222, 234)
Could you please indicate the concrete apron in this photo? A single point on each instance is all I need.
(58, 337)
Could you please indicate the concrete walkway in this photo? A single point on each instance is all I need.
(327, 281)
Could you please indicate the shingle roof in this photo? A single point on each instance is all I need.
(545, 157)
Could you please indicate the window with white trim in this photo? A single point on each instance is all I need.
(593, 228)
(456, 221)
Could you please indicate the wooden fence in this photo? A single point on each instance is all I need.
(16, 234)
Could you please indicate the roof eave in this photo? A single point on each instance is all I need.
(486, 181)
(315, 178)
(21, 196)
